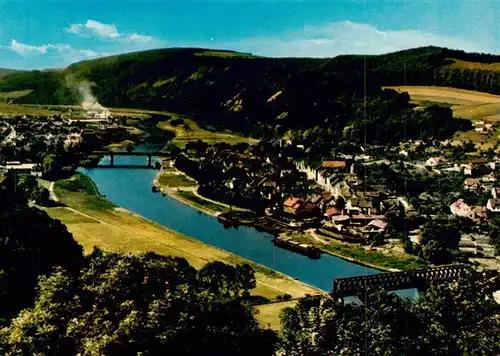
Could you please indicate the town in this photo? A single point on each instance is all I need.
(384, 199)
(227, 203)
(368, 198)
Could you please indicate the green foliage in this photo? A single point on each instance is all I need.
(52, 166)
(459, 318)
(134, 304)
(439, 241)
(376, 258)
(32, 244)
(49, 87)
(494, 233)
(32, 191)
(79, 183)
(329, 94)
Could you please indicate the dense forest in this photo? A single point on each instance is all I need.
(267, 96)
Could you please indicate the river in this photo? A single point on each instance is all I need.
(130, 188)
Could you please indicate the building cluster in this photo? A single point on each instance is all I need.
(47, 131)
(345, 206)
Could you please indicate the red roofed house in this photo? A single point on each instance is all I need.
(333, 211)
(292, 204)
(334, 164)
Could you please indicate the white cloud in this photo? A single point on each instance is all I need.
(93, 28)
(139, 38)
(27, 50)
(347, 38)
(66, 51)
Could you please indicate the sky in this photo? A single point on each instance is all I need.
(37, 34)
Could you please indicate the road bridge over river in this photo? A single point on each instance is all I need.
(113, 154)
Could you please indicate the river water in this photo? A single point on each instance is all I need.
(130, 188)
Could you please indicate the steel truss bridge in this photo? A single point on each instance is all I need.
(391, 281)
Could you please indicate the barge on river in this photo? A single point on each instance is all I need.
(289, 244)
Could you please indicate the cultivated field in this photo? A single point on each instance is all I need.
(465, 104)
(190, 131)
(492, 67)
(448, 95)
(269, 314)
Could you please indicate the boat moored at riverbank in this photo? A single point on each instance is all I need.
(289, 244)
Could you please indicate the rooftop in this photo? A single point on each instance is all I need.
(334, 164)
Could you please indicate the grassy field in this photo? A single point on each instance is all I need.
(269, 314)
(199, 203)
(7, 96)
(190, 131)
(388, 260)
(16, 109)
(96, 222)
(460, 64)
(448, 95)
(380, 259)
(466, 104)
(170, 179)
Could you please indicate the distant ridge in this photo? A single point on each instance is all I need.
(6, 71)
(245, 92)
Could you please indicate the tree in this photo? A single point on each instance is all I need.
(42, 196)
(32, 244)
(51, 165)
(439, 241)
(138, 304)
(340, 203)
(28, 185)
(458, 318)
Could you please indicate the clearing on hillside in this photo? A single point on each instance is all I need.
(465, 104)
(460, 64)
(447, 95)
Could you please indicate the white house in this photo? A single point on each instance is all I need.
(468, 169)
(462, 209)
(495, 193)
(434, 161)
(493, 206)
(471, 184)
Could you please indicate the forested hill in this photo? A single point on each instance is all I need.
(241, 91)
(5, 71)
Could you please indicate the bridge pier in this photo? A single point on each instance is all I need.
(149, 160)
(111, 160)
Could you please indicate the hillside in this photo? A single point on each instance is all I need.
(5, 71)
(239, 91)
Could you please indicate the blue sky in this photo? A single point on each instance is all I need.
(40, 34)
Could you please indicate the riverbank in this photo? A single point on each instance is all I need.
(177, 185)
(381, 259)
(96, 222)
(378, 258)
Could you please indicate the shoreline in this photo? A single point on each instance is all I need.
(364, 264)
(252, 263)
(164, 240)
(171, 194)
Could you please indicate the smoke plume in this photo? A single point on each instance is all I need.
(89, 102)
